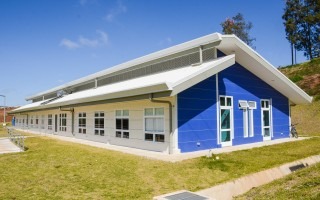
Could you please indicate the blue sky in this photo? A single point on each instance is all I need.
(46, 43)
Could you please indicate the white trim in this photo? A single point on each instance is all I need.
(228, 143)
(152, 132)
(270, 119)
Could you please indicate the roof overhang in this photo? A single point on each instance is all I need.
(256, 64)
(214, 39)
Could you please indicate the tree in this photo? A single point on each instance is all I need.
(302, 25)
(238, 26)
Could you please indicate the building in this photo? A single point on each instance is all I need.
(211, 92)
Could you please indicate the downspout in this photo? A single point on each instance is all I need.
(72, 117)
(170, 119)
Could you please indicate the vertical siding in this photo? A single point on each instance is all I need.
(197, 122)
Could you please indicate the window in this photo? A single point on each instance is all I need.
(247, 107)
(122, 124)
(82, 122)
(42, 121)
(266, 118)
(37, 121)
(63, 122)
(31, 121)
(99, 123)
(154, 124)
(226, 119)
(50, 122)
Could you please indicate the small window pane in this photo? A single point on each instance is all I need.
(159, 111)
(125, 113)
(118, 112)
(159, 138)
(158, 125)
(267, 104)
(96, 132)
(149, 124)
(229, 103)
(118, 124)
(118, 134)
(222, 101)
(96, 114)
(148, 111)
(102, 114)
(125, 134)
(102, 132)
(125, 124)
(148, 137)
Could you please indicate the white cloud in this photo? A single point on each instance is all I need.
(101, 40)
(119, 9)
(69, 44)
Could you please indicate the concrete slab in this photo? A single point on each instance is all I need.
(6, 146)
(164, 156)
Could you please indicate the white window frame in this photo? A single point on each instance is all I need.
(252, 106)
(82, 127)
(264, 108)
(228, 143)
(37, 121)
(247, 107)
(120, 115)
(50, 119)
(155, 134)
(62, 120)
(99, 130)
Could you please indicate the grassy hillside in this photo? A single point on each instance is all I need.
(307, 77)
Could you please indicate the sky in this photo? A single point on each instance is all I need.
(47, 43)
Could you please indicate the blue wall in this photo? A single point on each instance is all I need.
(197, 114)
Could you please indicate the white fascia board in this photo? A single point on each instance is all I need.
(69, 100)
(212, 68)
(215, 37)
(280, 82)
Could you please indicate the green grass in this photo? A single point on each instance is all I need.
(302, 184)
(54, 169)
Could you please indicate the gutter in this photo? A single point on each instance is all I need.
(170, 119)
(72, 117)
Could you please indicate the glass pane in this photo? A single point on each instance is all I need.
(159, 138)
(101, 121)
(96, 114)
(125, 113)
(262, 104)
(148, 137)
(80, 114)
(102, 132)
(84, 115)
(118, 134)
(118, 124)
(222, 101)
(125, 135)
(96, 123)
(96, 132)
(149, 124)
(158, 125)
(229, 102)
(266, 120)
(125, 124)
(148, 111)
(266, 132)
(118, 112)
(225, 136)
(267, 104)
(225, 118)
(84, 131)
(159, 111)
(101, 114)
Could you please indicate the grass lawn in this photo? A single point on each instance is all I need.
(303, 184)
(54, 169)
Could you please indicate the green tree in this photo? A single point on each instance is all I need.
(238, 26)
(302, 25)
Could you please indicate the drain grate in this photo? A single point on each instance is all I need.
(184, 196)
(296, 167)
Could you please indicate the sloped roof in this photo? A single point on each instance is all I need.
(178, 80)
(174, 81)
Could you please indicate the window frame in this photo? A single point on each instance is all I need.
(63, 122)
(50, 120)
(82, 122)
(266, 107)
(99, 131)
(122, 133)
(154, 134)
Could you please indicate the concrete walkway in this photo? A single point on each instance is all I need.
(6, 146)
(164, 156)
